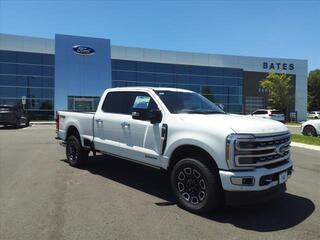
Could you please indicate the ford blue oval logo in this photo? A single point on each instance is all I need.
(83, 50)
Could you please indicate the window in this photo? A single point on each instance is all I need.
(260, 112)
(6, 80)
(187, 102)
(7, 56)
(123, 102)
(8, 68)
(275, 112)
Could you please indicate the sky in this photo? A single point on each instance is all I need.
(270, 28)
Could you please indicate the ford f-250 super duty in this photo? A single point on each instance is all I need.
(211, 156)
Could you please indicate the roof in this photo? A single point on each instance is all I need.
(150, 88)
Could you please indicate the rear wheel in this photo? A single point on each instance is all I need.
(76, 154)
(309, 131)
(196, 186)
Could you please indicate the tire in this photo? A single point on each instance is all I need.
(75, 153)
(309, 131)
(197, 187)
(27, 123)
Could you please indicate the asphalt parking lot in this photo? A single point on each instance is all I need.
(42, 197)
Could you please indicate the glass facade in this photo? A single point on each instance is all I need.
(29, 75)
(221, 85)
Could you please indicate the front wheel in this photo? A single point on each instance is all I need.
(76, 154)
(196, 186)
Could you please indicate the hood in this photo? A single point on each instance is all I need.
(237, 123)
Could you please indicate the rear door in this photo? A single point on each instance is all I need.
(107, 124)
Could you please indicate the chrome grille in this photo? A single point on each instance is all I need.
(261, 151)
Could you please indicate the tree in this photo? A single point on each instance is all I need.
(279, 90)
(314, 90)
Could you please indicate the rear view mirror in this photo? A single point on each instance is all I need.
(154, 116)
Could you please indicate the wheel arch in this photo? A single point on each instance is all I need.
(190, 150)
(73, 131)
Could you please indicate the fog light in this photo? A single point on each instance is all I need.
(247, 181)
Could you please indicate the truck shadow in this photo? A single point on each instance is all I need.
(283, 213)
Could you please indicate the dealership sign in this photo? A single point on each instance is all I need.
(278, 66)
(83, 50)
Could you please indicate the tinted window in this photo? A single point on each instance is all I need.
(7, 56)
(260, 112)
(276, 112)
(122, 102)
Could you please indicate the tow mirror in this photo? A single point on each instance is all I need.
(154, 116)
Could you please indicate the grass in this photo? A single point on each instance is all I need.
(305, 139)
(293, 123)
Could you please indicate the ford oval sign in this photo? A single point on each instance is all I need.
(83, 50)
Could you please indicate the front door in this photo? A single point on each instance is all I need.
(139, 140)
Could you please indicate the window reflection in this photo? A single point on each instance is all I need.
(220, 85)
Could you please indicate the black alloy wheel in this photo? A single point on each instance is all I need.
(195, 186)
(76, 155)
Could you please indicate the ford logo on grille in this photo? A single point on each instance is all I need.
(281, 149)
(83, 50)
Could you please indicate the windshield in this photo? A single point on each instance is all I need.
(188, 102)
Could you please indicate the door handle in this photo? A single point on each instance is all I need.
(125, 124)
(99, 121)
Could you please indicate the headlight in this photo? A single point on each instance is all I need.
(232, 144)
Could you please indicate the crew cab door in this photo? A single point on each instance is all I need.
(142, 139)
(107, 124)
(136, 140)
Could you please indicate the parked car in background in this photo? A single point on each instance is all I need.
(314, 115)
(13, 115)
(311, 128)
(269, 114)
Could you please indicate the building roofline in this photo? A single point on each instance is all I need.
(247, 63)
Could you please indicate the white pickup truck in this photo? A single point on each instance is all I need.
(212, 157)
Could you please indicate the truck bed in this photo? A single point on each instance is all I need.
(83, 121)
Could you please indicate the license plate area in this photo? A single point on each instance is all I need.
(279, 177)
(283, 177)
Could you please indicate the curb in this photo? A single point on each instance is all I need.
(42, 123)
(305, 146)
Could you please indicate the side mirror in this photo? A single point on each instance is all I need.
(154, 116)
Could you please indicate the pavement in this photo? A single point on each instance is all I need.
(42, 197)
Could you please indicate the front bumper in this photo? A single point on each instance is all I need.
(257, 174)
(245, 198)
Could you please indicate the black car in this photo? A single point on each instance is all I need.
(13, 115)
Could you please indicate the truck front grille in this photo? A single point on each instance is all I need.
(262, 151)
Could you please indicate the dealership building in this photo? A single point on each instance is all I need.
(71, 72)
